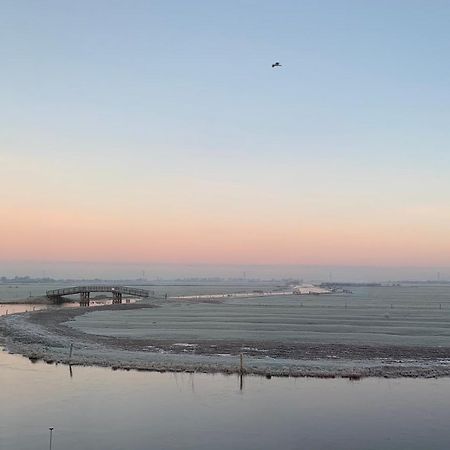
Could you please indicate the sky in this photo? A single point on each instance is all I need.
(157, 132)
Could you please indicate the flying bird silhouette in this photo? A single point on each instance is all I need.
(277, 64)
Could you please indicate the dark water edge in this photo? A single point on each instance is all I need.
(98, 408)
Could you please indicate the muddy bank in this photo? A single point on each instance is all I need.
(47, 335)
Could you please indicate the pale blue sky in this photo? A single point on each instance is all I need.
(359, 77)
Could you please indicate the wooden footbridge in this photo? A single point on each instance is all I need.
(56, 295)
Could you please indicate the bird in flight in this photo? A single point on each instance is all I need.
(277, 64)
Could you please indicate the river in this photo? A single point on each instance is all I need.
(95, 408)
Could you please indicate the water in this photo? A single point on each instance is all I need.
(19, 308)
(95, 408)
(103, 409)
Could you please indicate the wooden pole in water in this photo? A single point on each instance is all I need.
(51, 436)
(242, 363)
(70, 352)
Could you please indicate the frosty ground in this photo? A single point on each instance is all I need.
(384, 332)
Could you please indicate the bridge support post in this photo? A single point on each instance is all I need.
(56, 299)
(84, 298)
(117, 298)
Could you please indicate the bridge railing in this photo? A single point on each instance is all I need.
(98, 288)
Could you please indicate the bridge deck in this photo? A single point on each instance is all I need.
(98, 288)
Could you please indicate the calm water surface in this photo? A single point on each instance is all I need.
(94, 408)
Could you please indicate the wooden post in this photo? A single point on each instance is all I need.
(242, 364)
(70, 352)
(51, 436)
(84, 298)
(117, 298)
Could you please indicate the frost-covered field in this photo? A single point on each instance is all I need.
(415, 316)
(379, 331)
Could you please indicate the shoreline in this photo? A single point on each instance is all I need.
(35, 300)
(45, 335)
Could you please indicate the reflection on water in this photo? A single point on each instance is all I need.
(19, 308)
(95, 408)
(13, 308)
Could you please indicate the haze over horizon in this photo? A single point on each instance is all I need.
(152, 272)
(157, 133)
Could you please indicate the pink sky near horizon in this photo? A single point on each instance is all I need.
(62, 210)
(292, 238)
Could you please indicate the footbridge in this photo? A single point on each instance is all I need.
(56, 295)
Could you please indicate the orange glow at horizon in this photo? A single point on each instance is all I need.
(290, 239)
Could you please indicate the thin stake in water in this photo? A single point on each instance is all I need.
(51, 438)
